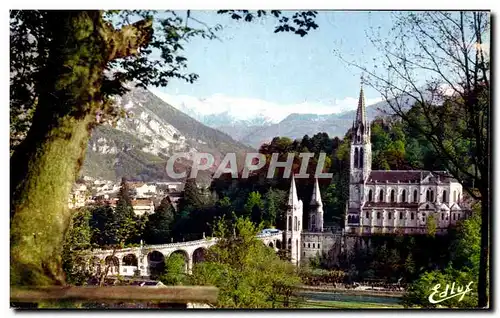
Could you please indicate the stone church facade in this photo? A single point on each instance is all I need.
(394, 202)
(380, 202)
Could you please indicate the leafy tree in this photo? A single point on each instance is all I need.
(174, 273)
(466, 247)
(192, 198)
(275, 201)
(76, 255)
(418, 292)
(431, 225)
(65, 68)
(254, 207)
(247, 273)
(159, 225)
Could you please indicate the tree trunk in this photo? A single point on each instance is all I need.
(46, 164)
(483, 286)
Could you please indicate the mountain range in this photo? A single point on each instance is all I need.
(139, 146)
(257, 129)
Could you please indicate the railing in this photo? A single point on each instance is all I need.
(177, 245)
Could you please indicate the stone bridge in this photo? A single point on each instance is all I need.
(148, 260)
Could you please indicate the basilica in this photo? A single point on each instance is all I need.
(380, 202)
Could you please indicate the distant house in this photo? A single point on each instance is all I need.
(79, 196)
(143, 190)
(141, 206)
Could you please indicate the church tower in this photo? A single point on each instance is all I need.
(293, 231)
(316, 210)
(361, 153)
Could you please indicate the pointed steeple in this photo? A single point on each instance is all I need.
(292, 197)
(316, 196)
(361, 112)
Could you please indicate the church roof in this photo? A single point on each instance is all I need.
(293, 199)
(361, 111)
(409, 176)
(316, 195)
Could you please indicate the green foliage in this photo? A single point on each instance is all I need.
(159, 226)
(174, 273)
(254, 207)
(466, 246)
(418, 293)
(247, 273)
(76, 248)
(275, 201)
(463, 268)
(431, 225)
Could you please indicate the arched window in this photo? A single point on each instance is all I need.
(442, 216)
(428, 195)
(393, 197)
(453, 216)
(454, 196)
(313, 220)
(400, 215)
(308, 245)
(314, 245)
(412, 216)
(403, 196)
(296, 223)
(432, 195)
(378, 215)
(356, 159)
(381, 196)
(370, 196)
(445, 198)
(361, 156)
(389, 215)
(367, 215)
(289, 223)
(318, 245)
(415, 196)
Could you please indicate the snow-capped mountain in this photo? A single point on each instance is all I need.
(139, 146)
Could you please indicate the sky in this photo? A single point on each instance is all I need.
(253, 70)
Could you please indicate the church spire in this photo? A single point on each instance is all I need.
(292, 197)
(316, 196)
(361, 112)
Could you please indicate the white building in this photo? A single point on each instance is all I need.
(396, 201)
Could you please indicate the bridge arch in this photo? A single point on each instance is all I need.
(185, 256)
(130, 264)
(278, 244)
(199, 255)
(156, 263)
(271, 245)
(114, 264)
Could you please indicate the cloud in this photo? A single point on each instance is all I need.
(248, 108)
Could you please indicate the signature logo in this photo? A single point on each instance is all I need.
(435, 298)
